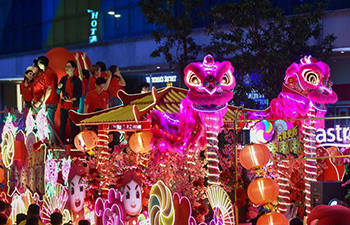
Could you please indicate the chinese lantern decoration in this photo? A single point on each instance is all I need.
(86, 140)
(262, 191)
(254, 156)
(272, 218)
(140, 142)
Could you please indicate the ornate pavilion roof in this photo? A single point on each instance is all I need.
(136, 107)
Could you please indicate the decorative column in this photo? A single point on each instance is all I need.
(103, 155)
(212, 158)
(283, 183)
(213, 122)
(309, 131)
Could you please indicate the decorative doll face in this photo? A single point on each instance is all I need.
(132, 198)
(77, 194)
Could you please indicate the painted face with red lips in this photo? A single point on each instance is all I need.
(311, 79)
(210, 84)
(77, 194)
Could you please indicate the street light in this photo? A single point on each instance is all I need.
(111, 13)
(117, 15)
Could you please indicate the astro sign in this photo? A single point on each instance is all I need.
(338, 136)
(93, 26)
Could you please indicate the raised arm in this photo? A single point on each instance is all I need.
(80, 72)
(83, 57)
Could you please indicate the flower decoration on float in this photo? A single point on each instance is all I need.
(51, 174)
(86, 141)
(31, 137)
(42, 124)
(263, 190)
(66, 165)
(9, 126)
(30, 122)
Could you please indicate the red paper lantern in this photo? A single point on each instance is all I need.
(262, 191)
(86, 140)
(140, 142)
(272, 218)
(254, 156)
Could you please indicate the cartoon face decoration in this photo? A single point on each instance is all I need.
(210, 84)
(132, 198)
(311, 79)
(77, 193)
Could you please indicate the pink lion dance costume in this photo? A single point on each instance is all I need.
(211, 87)
(200, 115)
(305, 92)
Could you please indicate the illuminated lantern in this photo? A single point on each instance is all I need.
(254, 156)
(272, 218)
(262, 191)
(86, 140)
(140, 142)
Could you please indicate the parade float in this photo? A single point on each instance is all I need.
(176, 156)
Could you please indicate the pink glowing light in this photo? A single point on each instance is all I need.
(111, 210)
(30, 122)
(51, 170)
(66, 165)
(9, 126)
(42, 125)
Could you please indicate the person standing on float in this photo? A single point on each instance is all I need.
(71, 88)
(47, 85)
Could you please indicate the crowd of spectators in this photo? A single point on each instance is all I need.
(32, 217)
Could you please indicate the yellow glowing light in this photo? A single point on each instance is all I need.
(161, 205)
(8, 149)
(219, 200)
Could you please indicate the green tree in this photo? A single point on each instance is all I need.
(263, 41)
(174, 21)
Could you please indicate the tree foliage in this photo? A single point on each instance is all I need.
(174, 20)
(262, 42)
(259, 38)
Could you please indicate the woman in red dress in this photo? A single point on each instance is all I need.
(26, 88)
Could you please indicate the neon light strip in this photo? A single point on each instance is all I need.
(310, 151)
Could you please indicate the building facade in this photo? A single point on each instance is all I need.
(117, 33)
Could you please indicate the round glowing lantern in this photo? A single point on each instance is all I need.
(262, 191)
(140, 142)
(273, 218)
(254, 156)
(86, 140)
